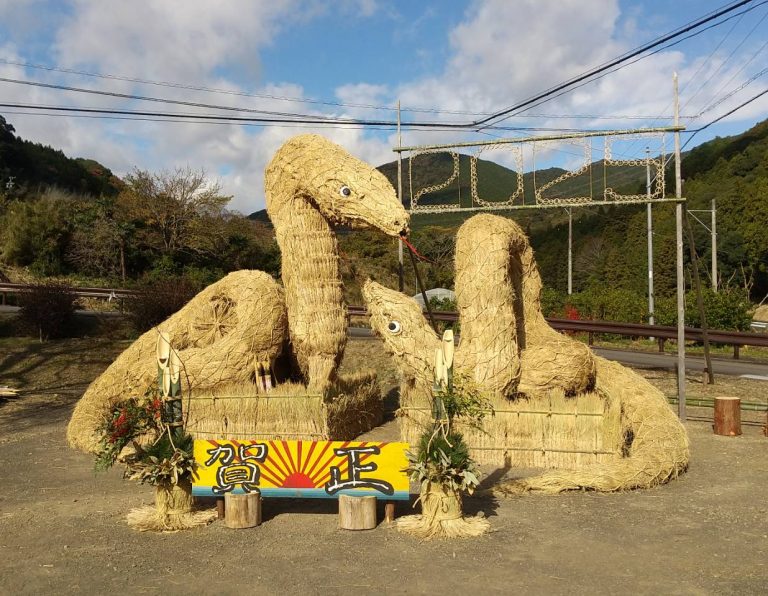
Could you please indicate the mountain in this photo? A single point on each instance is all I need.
(734, 172)
(495, 183)
(30, 167)
(610, 242)
(260, 215)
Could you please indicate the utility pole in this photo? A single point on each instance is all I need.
(679, 258)
(714, 246)
(650, 232)
(570, 250)
(700, 303)
(400, 280)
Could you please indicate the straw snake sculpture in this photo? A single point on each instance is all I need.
(312, 184)
(509, 351)
(245, 319)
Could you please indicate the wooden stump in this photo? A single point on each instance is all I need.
(357, 513)
(727, 416)
(242, 511)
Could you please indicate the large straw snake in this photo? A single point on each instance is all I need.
(223, 333)
(509, 351)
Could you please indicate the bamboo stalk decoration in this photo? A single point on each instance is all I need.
(513, 355)
(174, 507)
(441, 505)
(169, 380)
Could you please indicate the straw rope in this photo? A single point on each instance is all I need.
(173, 511)
(441, 516)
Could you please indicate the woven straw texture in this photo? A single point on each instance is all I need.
(173, 511)
(220, 336)
(441, 516)
(352, 406)
(242, 322)
(556, 404)
(312, 184)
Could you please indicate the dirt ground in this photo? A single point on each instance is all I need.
(62, 527)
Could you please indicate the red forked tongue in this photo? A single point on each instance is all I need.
(413, 250)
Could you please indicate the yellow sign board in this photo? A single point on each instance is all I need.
(312, 469)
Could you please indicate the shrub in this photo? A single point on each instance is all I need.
(610, 304)
(34, 234)
(47, 309)
(443, 304)
(158, 300)
(727, 309)
(552, 302)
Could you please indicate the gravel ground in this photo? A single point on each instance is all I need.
(62, 527)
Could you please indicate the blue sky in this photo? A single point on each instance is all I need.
(454, 55)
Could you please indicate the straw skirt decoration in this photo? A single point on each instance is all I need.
(441, 516)
(173, 511)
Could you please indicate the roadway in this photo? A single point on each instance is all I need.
(722, 366)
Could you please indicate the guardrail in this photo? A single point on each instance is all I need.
(661, 332)
(80, 292)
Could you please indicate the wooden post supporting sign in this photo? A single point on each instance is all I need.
(242, 511)
(389, 512)
(357, 513)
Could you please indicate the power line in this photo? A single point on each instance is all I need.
(484, 121)
(724, 62)
(655, 120)
(719, 118)
(728, 82)
(148, 98)
(190, 87)
(730, 94)
(625, 58)
(268, 120)
(706, 62)
(181, 120)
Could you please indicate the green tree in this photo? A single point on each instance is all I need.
(35, 234)
(174, 211)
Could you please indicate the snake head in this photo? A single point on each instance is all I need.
(398, 320)
(344, 189)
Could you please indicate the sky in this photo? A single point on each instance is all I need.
(444, 60)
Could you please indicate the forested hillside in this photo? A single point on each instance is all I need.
(27, 167)
(73, 217)
(610, 254)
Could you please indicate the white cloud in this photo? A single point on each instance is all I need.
(502, 52)
(168, 40)
(506, 51)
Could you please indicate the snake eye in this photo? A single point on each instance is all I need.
(344, 191)
(394, 327)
